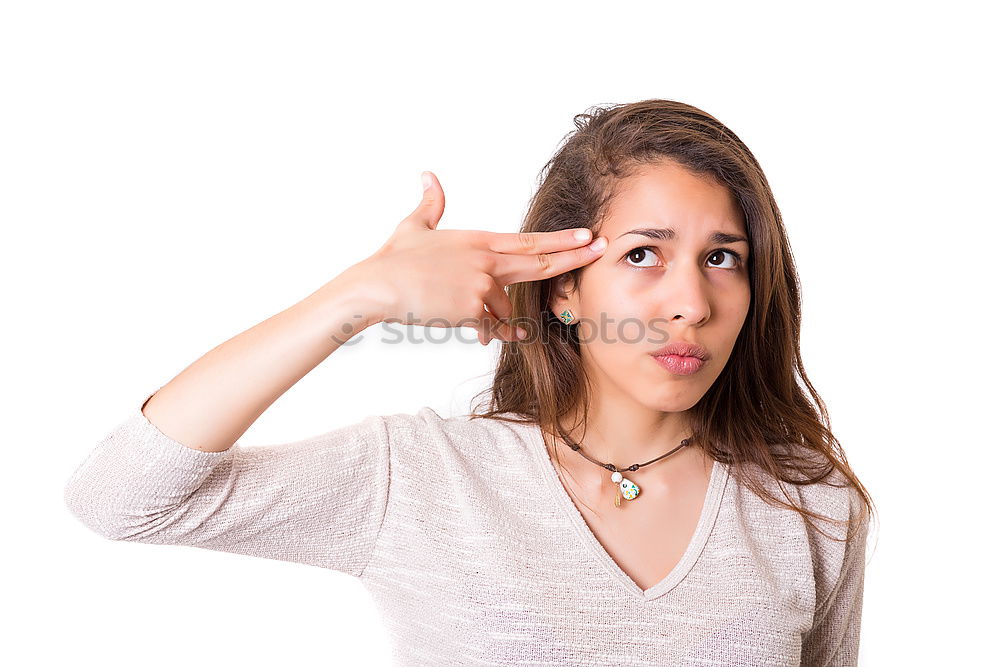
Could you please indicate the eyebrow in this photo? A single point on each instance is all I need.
(668, 234)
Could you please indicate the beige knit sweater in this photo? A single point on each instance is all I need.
(476, 555)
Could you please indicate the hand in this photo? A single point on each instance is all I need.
(456, 277)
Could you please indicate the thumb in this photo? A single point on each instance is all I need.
(428, 213)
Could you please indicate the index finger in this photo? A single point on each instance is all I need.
(512, 268)
(535, 242)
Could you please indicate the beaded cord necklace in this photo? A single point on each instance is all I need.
(623, 487)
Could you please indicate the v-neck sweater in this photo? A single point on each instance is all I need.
(474, 552)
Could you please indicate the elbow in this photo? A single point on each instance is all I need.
(93, 509)
(82, 505)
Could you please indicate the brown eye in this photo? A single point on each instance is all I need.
(737, 258)
(639, 253)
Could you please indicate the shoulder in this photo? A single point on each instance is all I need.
(428, 419)
(837, 546)
(834, 496)
(838, 498)
(842, 525)
(460, 434)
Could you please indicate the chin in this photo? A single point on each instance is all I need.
(672, 400)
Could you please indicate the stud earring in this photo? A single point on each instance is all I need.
(566, 316)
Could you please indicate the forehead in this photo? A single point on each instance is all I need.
(668, 195)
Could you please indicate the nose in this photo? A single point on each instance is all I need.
(685, 294)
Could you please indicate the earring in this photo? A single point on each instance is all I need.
(566, 316)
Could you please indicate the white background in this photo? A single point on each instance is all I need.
(173, 173)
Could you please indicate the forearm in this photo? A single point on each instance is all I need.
(213, 401)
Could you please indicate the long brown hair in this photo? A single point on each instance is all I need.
(756, 416)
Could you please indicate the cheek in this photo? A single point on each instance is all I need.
(735, 306)
(612, 359)
(616, 323)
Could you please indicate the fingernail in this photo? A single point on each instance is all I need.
(521, 333)
(425, 177)
(599, 244)
(581, 234)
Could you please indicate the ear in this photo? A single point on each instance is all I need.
(563, 293)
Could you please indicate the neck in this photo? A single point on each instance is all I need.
(631, 435)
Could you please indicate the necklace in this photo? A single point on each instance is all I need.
(623, 487)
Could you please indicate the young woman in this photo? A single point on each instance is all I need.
(648, 482)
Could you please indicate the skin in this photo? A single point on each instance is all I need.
(687, 288)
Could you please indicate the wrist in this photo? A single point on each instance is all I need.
(357, 297)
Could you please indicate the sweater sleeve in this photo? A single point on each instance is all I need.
(318, 501)
(836, 633)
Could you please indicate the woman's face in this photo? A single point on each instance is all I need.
(678, 281)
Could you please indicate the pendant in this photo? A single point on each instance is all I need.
(627, 487)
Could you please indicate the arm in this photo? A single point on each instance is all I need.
(212, 402)
(176, 477)
(836, 633)
(318, 501)
(171, 472)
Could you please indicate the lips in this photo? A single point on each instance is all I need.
(681, 357)
(679, 365)
(682, 349)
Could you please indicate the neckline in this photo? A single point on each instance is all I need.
(706, 522)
